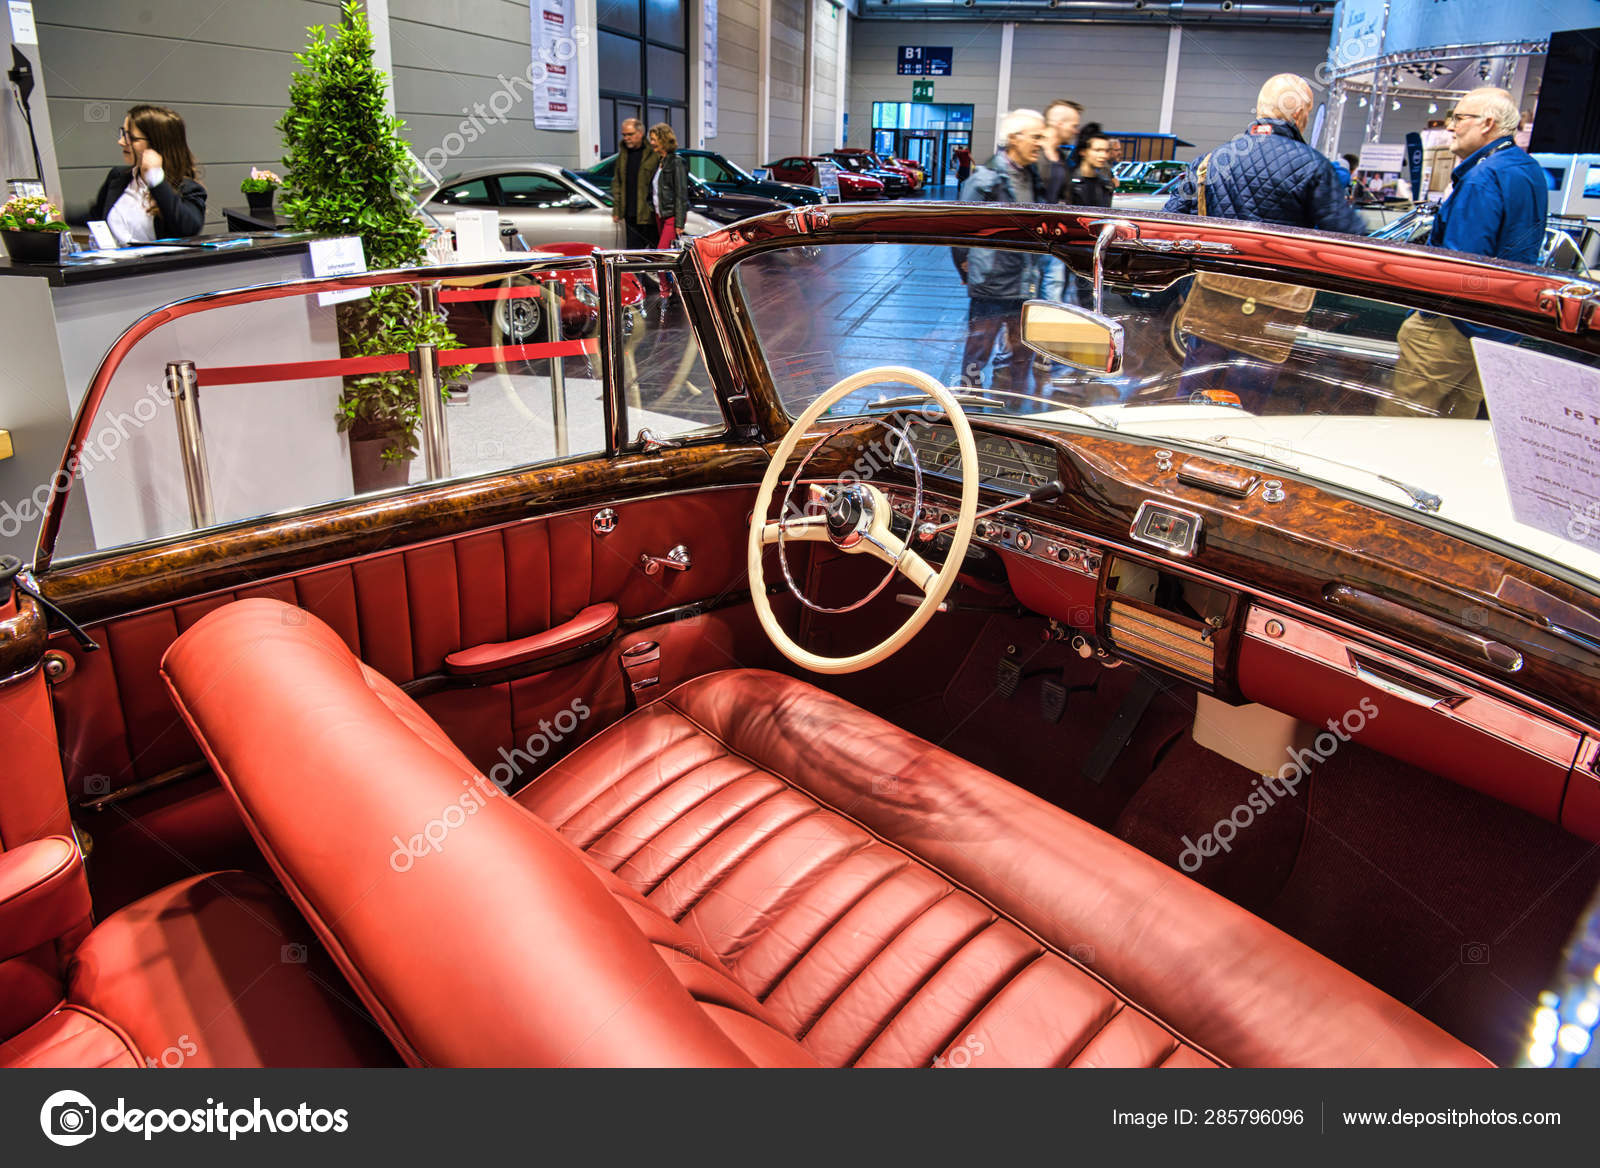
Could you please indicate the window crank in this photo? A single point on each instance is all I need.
(677, 559)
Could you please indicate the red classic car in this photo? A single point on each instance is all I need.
(523, 311)
(803, 169)
(874, 670)
(910, 171)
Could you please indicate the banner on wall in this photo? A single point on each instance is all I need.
(709, 36)
(555, 99)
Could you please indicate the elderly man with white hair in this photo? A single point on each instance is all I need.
(999, 281)
(1269, 172)
(1496, 207)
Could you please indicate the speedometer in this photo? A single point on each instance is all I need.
(1004, 463)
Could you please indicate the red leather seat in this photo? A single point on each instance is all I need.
(748, 871)
(215, 971)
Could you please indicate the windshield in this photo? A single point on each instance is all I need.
(587, 186)
(1355, 392)
(852, 162)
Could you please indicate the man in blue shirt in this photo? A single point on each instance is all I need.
(1497, 206)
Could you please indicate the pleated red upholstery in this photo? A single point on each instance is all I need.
(892, 905)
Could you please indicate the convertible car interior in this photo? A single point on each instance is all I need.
(790, 679)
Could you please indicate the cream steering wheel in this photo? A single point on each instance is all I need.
(857, 520)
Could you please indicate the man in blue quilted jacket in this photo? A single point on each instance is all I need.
(1269, 172)
(1497, 206)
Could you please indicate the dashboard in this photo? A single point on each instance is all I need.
(1004, 463)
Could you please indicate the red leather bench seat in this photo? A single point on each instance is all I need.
(748, 871)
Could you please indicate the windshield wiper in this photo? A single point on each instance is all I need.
(1421, 498)
(990, 400)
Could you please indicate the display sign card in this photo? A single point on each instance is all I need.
(100, 232)
(924, 61)
(1383, 158)
(340, 256)
(828, 178)
(477, 235)
(22, 29)
(1545, 412)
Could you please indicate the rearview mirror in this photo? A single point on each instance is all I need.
(1072, 335)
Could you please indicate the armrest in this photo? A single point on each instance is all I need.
(593, 625)
(44, 894)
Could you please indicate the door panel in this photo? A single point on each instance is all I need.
(402, 612)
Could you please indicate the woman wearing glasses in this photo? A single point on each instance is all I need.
(154, 195)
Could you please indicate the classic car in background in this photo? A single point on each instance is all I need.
(549, 306)
(851, 692)
(1143, 178)
(802, 168)
(895, 181)
(734, 195)
(912, 173)
(543, 203)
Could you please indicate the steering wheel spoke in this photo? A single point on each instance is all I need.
(894, 552)
(812, 528)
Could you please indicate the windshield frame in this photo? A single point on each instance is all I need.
(1533, 301)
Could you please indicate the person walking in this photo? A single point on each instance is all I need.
(1267, 173)
(669, 192)
(1497, 206)
(1090, 184)
(631, 181)
(962, 157)
(998, 281)
(1052, 180)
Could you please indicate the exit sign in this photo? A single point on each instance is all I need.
(922, 91)
(924, 61)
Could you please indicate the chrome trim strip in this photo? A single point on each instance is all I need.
(1515, 727)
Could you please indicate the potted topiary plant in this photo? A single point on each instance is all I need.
(259, 188)
(31, 227)
(346, 171)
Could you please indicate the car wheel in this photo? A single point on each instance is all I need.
(517, 320)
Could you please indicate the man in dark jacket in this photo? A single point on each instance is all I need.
(1497, 207)
(1269, 173)
(630, 185)
(999, 281)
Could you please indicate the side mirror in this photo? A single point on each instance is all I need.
(1072, 335)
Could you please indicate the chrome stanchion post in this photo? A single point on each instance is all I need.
(184, 388)
(558, 372)
(435, 438)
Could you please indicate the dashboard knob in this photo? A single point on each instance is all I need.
(1024, 539)
(987, 529)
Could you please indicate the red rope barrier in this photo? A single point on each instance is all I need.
(389, 363)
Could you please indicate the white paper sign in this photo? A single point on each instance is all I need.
(340, 256)
(100, 232)
(22, 30)
(477, 235)
(555, 100)
(1546, 416)
(1383, 158)
(828, 178)
(709, 36)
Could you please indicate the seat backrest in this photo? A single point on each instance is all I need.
(474, 933)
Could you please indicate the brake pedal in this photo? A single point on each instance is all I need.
(1053, 699)
(1007, 676)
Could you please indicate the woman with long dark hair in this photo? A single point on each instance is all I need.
(155, 194)
(1090, 178)
(669, 191)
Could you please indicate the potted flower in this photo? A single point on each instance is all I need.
(31, 227)
(259, 189)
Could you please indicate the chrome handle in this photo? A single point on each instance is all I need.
(677, 559)
(1404, 685)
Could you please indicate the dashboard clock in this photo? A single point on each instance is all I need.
(1172, 529)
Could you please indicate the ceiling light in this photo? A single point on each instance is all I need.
(1363, 103)
(1433, 107)
(1396, 104)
